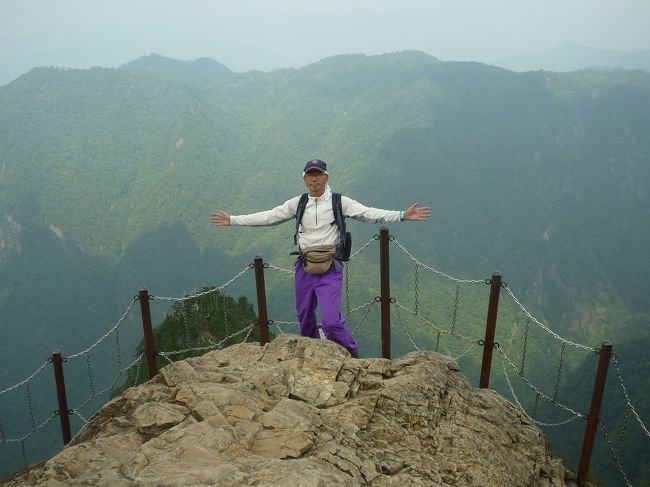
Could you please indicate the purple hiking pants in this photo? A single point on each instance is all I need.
(324, 290)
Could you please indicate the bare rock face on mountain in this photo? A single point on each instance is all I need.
(301, 412)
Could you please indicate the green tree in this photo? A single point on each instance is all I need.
(199, 323)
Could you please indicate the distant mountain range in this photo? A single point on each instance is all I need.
(108, 178)
(572, 56)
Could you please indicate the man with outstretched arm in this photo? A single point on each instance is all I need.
(321, 283)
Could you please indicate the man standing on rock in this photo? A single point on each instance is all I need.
(318, 276)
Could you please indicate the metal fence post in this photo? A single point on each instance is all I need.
(63, 412)
(384, 275)
(150, 347)
(490, 329)
(594, 413)
(261, 300)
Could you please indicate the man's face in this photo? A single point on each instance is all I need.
(316, 182)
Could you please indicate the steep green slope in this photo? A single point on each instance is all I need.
(624, 434)
(488, 148)
(108, 178)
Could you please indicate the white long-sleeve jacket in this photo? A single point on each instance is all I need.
(317, 226)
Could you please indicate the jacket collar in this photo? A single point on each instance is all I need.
(327, 195)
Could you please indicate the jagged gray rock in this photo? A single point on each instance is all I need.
(302, 412)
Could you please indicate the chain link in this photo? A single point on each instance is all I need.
(544, 327)
(74, 411)
(25, 381)
(471, 347)
(360, 307)
(212, 345)
(94, 396)
(369, 305)
(165, 355)
(523, 377)
(364, 247)
(137, 370)
(536, 405)
(30, 405)
(185, 321)
(115, 327)
(617, 459)
(293, 323)
(24, 453)
(417, 289)
(523, 353)
(435, 271)
(347, 289)
(278, 323)
(33, 431)
(621, 434)
(559, 372)
(512, 391)
(453, 318)
(250, 329)
(118, 351)
(208, 291)
(90, 376)
(226, 323)
(399, 315)
(439, 330)
(110, 386)
(627, 398)
(286, 271)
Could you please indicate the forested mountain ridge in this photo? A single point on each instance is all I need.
(101, 157)
(108, 178)
(198, 72)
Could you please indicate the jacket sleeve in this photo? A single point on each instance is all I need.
(280, 214)
(366, 214)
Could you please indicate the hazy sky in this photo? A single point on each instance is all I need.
(264, 35)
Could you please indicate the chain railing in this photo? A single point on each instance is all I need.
(364, 309)
(627, 397)
(213, 346)
(538, 392)
(516, 399)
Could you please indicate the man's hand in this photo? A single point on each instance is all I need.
(220, 219)
(415, 213)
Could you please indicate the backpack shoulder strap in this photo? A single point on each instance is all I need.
(345, 239)
(339, 219)
(302, 204)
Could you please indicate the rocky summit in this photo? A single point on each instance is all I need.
(302, 412)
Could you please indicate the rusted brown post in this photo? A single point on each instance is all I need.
(594, 413)
(384, 275)
(149, 345)
(490, 329)
(63, 412)
(261, 300)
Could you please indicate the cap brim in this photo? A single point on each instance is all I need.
(322, 171)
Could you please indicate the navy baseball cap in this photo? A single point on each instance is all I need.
(315, 165)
